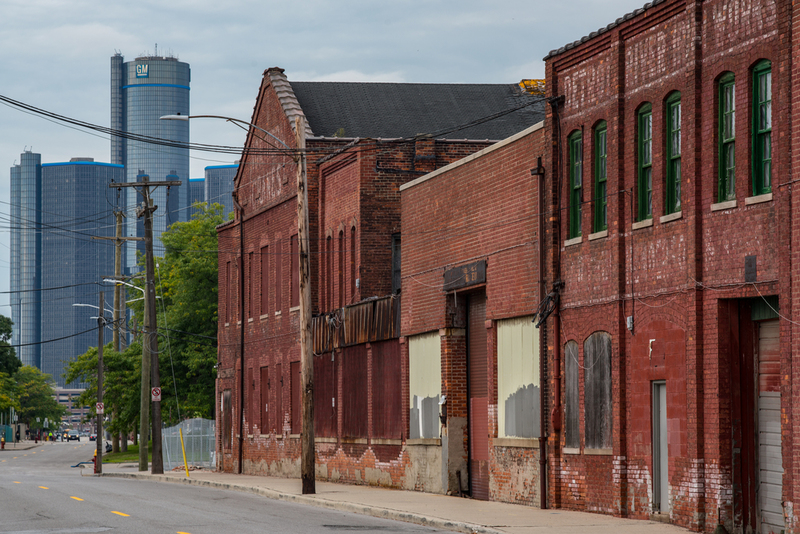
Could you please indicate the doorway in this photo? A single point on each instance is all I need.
(660, 449)
(478, 388)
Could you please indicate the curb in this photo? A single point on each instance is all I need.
(363, 509)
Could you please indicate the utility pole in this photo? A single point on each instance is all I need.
(101, 325)
(150, 342)
(118, 305)
(307, 468)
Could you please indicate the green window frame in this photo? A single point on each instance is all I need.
(600, 177)
(727, 138)
(673, 179)
(762, 128)
(575, 183)
(645, 162)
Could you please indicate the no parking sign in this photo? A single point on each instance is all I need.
(155, 394)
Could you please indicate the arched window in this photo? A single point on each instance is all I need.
(762, 128)
(575, 183)
(600, 177)
(727, 138)
(672, 189)
(645, 162)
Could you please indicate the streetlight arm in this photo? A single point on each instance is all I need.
(229, 119)
(112, 281)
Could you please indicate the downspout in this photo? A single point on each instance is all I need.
(558, 284)
(242, 323)
(543, 431)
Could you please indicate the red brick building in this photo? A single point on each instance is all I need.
(471, 284)
(670, 245)
(363, 142)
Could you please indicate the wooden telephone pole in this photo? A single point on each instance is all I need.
(308, 473)
(150, 373)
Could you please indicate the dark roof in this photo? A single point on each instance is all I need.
(397, 110)
(601, 31)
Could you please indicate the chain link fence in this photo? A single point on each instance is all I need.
(199, 440)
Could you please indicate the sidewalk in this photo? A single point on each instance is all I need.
(20, 446)
(438, 511)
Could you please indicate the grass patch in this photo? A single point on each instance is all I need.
(130, 456)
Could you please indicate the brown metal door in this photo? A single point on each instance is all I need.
(478, 399)
(264, 405)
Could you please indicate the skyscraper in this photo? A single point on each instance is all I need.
(219, 185)
(142, 91)
(56, 209)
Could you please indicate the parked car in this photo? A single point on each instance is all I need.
(73, 435)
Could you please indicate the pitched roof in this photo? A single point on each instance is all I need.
(601, 31)
(396, 110)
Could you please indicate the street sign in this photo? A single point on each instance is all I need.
(155, 394)
(99, 407)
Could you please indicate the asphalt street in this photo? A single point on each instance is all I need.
(41, 494)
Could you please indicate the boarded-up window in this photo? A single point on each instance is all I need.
(264, 279)
(263, 406)
(396, 280)
(352, 293)
(387, 420)
(295, 272)
(354, 392)
(296, 408)
(325, 396)
(227, 418)
(597, 390)
(518, 390)
(572, 436)
(251, 267)
(341, 269)
(329, 274)
(228, 291)
(277, 413)
(278, 276)
(249, 399)
(424, 384)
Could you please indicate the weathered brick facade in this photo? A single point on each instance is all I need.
(483, 208)
(679, 275)
(361, 401)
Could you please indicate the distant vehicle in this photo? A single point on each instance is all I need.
(92, 437)
(73, 435)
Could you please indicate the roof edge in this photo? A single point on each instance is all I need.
(479, 154)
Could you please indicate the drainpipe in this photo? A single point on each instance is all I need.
(242, 323)
(558, 284)
(539, 171)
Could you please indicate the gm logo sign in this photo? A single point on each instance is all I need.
(141, 70)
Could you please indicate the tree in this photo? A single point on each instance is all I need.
(187, 281)
(36, 396)
(9, 363)
(122, 375)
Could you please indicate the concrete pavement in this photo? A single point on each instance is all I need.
(439, 511)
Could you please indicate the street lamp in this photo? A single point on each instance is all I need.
(238, 122)
(112, 281)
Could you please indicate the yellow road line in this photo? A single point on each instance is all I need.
(119, 513)
(179, 532)
(76, 498)
(44, 487)
(15, 482)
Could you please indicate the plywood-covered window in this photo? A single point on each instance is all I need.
(597, 391)
(264, 279)
(278, 275)
(295, 266)
(227, 418)
(387, 417)
(325, 387)
(518, 389)
(424, 384)
(355, 401)
(572, 397)
(295, 379)
(228, 291)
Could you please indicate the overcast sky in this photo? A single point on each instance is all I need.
(55, 55)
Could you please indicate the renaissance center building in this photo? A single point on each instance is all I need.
(142, 91)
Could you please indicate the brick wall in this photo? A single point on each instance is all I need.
(668, 275)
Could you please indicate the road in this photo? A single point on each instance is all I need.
(41, 494)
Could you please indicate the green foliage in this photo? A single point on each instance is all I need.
(8, 393)
(35, 397)
(9, 363)
(186, 281)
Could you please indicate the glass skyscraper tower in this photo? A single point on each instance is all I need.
(142, 91)
(56, 209)
(219, 186)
